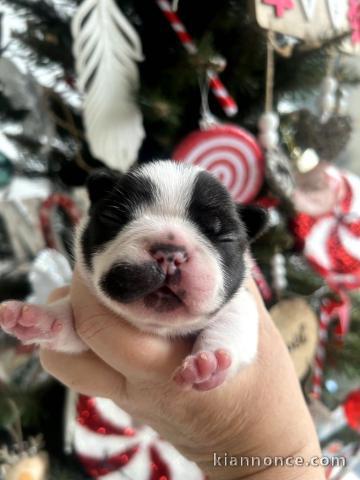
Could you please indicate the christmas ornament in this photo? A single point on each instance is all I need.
(107, 443)
(354, 20)
(304, 19)
(280, 6)
(56, 229)
(327, 139)
(297, 323)
(225, 100)
(278, 170)
(106, 49)
(331, 241)
(231, 154)
(278, 272)
(330, 311)
(319, 190)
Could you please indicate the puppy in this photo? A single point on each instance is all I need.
(165, 247)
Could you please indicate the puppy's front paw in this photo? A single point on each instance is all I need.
(28, 323)
(204, 370)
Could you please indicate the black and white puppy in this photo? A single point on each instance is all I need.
(165, 247)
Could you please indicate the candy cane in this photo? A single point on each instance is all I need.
(216, 85)
(330, 311)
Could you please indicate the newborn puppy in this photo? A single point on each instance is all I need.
(165, 247)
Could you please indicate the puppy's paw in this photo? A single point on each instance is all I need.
(28, 323)
(204, 370)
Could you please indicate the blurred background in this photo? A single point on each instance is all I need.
(266, 95)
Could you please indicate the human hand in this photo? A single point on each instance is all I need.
(261, 412)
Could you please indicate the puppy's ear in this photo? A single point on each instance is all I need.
(255, 219)
(100, 182)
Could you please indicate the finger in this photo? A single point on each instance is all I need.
(58, 294)
(84, 373)
(123, 347)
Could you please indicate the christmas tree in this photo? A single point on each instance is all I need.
(72, 101)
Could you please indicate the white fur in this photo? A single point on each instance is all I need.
(233, 328)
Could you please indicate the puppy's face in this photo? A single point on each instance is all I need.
(164, 245)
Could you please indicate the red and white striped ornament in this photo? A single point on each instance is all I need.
(217, 87)
(332, 241)
(331, 311)
(53, 202)
(229, 152)
(110, 447)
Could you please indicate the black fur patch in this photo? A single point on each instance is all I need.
(215, 214)
(128, 282)
(111, 213)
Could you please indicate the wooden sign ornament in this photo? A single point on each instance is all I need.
(298, 326)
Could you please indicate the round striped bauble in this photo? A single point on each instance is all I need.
(230, 153)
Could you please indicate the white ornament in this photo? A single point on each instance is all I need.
(268, 121)
(309, 8)
(106, 49)
(278, 270)
(269, 139)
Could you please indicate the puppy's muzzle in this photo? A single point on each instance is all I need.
(169, 257)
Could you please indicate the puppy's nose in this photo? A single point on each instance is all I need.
(169, 257)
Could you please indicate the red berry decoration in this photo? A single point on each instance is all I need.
(229, 152)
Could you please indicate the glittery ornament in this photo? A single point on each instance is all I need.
(229, 152)
(108, 443)
(332, 241)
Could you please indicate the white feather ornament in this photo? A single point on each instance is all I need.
(106, 50)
